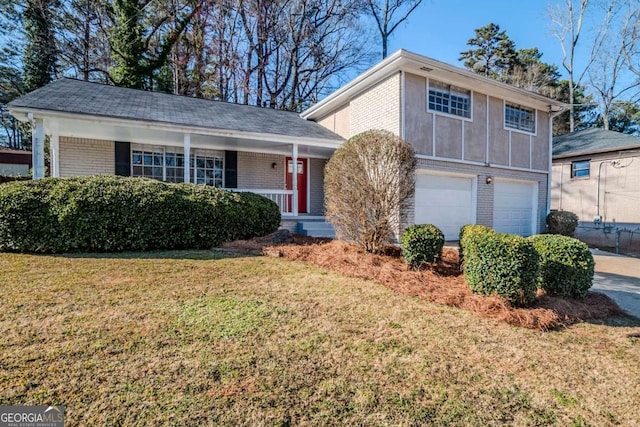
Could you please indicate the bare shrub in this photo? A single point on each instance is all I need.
(367, 181)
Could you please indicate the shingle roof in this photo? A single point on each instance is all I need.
(592, 141)
(86, 98)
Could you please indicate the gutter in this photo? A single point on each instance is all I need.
(23, 114)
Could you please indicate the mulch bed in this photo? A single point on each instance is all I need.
(440, 283)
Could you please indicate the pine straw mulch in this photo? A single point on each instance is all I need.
(440, 283)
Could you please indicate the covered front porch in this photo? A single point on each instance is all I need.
(178, 139)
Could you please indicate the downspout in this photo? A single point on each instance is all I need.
(552, 115)
(598, 219)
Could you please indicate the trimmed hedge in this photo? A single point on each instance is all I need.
(566, 265)
(422, 243)
(501, 264)
(467, 231)
(562, 222)
(4, 178)
(111, 214)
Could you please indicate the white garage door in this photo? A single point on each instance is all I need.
(514, 207)
(444, 201)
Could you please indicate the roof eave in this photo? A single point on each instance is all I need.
(601, 151)
(23, 114)
(409, 61)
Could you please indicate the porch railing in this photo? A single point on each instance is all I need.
(283, 198)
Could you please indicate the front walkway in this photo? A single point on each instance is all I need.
(618, 277)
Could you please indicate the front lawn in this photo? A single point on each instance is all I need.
(197, 338)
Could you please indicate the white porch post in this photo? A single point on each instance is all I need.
(37, 149)
(294, 179)
(187, 157)
(55, 155)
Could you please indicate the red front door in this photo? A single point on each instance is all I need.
(302, 182)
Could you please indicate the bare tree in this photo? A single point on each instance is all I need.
(567, 24)
(631, 37)
(609, 73)
(388, 14)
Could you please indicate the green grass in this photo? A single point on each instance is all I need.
(198, 338)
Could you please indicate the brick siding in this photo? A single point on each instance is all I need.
(79, 156)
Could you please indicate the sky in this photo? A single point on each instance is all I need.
(440, 29)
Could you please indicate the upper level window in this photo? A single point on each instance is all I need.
(580, 169)
(520, 118)
(449, 99)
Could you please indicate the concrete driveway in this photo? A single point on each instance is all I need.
(618, 277)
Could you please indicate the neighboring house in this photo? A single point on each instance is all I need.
(596, 175)
(483, 147)
(14, 162)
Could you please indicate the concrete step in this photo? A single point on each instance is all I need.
(316, 229)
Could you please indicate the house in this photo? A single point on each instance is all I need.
(596, 175)
(14, 162)
(101, 129)
(483, 147)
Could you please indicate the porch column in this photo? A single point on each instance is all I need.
(37, 148)
(55, 155)
(187, 157)
(294, 179)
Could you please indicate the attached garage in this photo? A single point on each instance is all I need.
(446, 201)
(515, 204)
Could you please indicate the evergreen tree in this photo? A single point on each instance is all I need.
(11, 87)
(493, 54)
(624, 117)
(531, 73)
(140, 43)
(40, 54)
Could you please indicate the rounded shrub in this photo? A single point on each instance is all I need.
(562, 222)
(502, 264)
(110, 214)
(566, 265)
(467, 231)
(422, 243)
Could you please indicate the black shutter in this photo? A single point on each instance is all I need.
(231, 169)
(123, 158)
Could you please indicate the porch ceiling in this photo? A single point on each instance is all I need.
(160, 134)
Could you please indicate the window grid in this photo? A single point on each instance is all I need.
(581, 169)
(449, 99)
(167, 164)
(520, 118)
(208, 169)
(148, 163)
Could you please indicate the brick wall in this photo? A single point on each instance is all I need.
(255, 171)
(377, 108)
(316, 169)
(79, 156)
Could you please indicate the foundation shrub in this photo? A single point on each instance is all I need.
(4, 178)
(502, 264)
(111, 214)
(465, 232)
(367, 183)
(566, 265)
(562, 222)
(422, 243)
